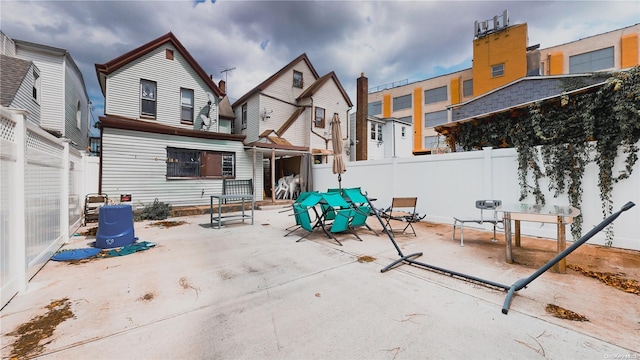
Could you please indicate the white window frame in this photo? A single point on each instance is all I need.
(184, 106)
(153, 97)
(78, 115)
(244, 116)
(375, 132)
(298, 80)
(497, 70)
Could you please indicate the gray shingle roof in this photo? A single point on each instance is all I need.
(12, 73)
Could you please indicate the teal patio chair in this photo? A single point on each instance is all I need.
(302, 216)
(361, 207)
(302, 197)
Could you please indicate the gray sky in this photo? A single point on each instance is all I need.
(387, 40)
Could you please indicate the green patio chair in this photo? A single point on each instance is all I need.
(361, 206)
(302, 216)
(303, 196)
(342, 223)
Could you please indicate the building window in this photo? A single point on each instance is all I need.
(319, 120)
(432, 142)
(403, 131)
(591, 61)
(467, 88)
(148, 98)
(435, 118)
(244, 116)
(169, 54)
(78, 115)
(297, 79)
(189, 163)
(435, 95)
(497, 70)
(402, 102)
(36, 87)
(375, 108)
(186, 106)
(376, 131)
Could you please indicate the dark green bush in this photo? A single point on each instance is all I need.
(156, 211)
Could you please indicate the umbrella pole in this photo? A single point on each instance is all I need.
(340, 182)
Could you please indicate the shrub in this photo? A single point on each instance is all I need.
(156, 211)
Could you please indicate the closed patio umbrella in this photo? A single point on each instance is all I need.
(339, 166)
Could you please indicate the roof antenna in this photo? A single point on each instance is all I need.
(226, 76)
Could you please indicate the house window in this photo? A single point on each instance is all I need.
(36, 87)
(376, 131)
(435, 95)
(244, 116)
(189, 163)
(432, 142)
(78, 115)
(148, 98)
(403, 131)
(375, 108)
(435, 118)
(402, 102)
(319, 120)
(497, 70)
(186, 106)
(297, 79)
(591, 61)
(169, 54)
(467, 88)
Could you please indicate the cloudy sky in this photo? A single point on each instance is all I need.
(387, 40)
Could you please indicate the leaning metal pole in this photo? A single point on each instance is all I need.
(524, 282)
(409, 260)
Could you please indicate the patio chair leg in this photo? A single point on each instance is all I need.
(369, 227)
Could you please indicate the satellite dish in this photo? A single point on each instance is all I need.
(204, 121)
(212, 98)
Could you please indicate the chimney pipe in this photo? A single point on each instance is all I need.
(362, 107)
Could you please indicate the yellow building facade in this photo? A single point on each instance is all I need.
(501, 55)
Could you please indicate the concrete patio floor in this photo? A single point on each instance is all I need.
(247, 292)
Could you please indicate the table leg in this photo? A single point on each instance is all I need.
(561, 266)
(507, 237)
(219, 213)
(243, 210)
(517, 233)
(211, 211)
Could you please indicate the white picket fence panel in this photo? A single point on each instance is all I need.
(41, 198)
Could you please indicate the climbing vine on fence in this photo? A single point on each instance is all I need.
(602, 119)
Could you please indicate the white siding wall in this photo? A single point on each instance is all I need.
(329, 98)
(51, 88)
(123, 88)
(282, 88)
(375, 150)
(142, 172)
(74, 92)
(24, 97)
(253, 119)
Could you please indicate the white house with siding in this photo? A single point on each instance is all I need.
(19, 86)
(288, 116)
(166, 132)
(62, 95)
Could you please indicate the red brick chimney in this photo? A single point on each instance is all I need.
(223, 86)
(362, 108)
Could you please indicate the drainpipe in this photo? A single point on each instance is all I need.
(326, 141)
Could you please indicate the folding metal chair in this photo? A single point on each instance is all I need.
(403, 209)
(303, 196)
(482, 205)
(361, 208)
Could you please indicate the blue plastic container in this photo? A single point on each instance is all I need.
(115, 226)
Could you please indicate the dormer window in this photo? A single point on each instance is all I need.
(297, 79)
(147, 98)
(36, 87)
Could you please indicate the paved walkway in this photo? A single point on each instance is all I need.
(247, 292)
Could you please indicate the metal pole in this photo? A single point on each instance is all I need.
(524, 282)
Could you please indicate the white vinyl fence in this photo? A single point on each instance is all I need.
(41, 198)
(447, 185)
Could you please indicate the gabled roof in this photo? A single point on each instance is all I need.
(263, 85)
(102, 70)
(224, 108)
(311, 90)
(12, 73)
